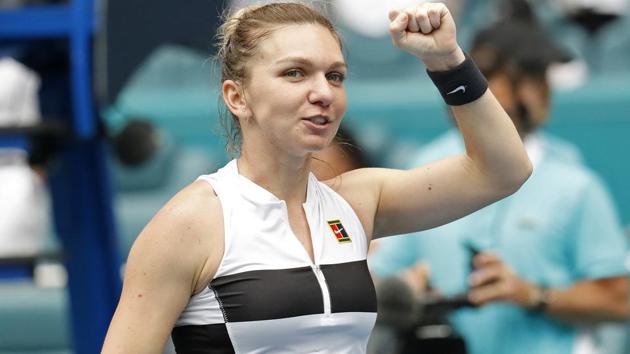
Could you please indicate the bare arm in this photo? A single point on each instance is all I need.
(604, 299)
(494, 165)
(591, 300)
(174, 254)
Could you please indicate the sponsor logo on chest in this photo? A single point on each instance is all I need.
(339, 231)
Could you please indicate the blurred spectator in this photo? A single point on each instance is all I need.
(545, 265)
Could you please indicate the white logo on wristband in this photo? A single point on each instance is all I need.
(461, 88)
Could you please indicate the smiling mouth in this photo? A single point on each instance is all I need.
(318, 120)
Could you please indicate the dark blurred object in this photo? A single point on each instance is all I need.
(473, 251)
(519, 10)
(134, 28)
(396, 304)
(136, 143)
(143, 155)
(9, 4)
(45, 139)
(591, 20)
(420, 325)
(593, 16)
(516, 44)
(348, 141)
(342, 155)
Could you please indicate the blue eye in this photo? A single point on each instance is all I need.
(294, 73)
(336, 77)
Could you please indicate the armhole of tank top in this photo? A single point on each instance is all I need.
(227, 211)
(347, 205)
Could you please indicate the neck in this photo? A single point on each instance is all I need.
(283, 175)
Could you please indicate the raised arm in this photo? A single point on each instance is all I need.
(494, 165)
(173, 257)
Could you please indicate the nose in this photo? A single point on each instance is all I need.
(321, 92)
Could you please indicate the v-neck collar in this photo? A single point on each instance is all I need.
(256, 193)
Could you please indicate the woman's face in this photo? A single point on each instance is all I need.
(294, 93)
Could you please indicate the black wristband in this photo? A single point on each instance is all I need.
(460, 85)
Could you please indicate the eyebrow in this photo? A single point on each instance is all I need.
(308, 62)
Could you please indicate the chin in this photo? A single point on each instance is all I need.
(315, 145)
(315, 148)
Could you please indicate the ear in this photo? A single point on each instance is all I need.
(234, 98)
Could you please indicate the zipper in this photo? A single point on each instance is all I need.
(314, 266)
(324, 287)
(321, 279)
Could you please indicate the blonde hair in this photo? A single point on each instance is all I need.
(238, 39)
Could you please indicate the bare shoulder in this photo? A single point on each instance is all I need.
(187, 232)
(173, 257)
(190, 207)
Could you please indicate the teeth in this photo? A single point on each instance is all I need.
(319, 120)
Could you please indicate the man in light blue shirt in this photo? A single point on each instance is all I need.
(551, 261)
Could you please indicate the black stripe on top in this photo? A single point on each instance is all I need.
(350, 286)
(204, 339)
(281, 293)
(268, 294)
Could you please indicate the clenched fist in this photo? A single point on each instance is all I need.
(427, 31)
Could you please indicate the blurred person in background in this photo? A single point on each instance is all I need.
(544, 266)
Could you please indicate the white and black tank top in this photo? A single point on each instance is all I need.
(267, 295)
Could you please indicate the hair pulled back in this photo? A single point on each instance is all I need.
(238, 39)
